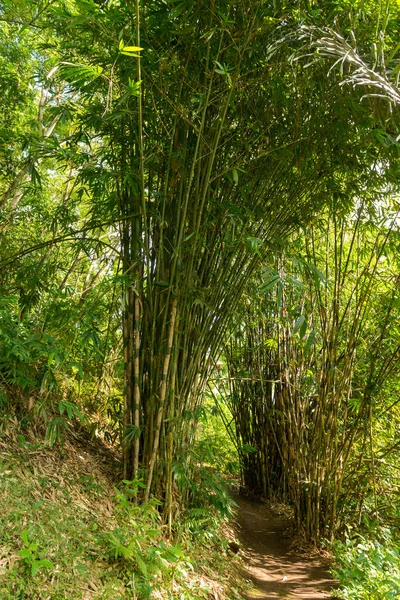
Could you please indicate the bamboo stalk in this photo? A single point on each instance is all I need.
(163, 393)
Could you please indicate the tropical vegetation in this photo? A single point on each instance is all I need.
(199, 234)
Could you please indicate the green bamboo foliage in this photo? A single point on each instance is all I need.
(208, 156)
(328, 345)
(200, 239)
(194, 144)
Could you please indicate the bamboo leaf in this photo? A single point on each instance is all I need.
(270, 282)
(129, 54)
(310, 340)
(248, 448)
(303, 329)
(142, 565)
(299, 323)
(163, 284)
(131, 49)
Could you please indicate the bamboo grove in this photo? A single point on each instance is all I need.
(177, 149)
(317, 369)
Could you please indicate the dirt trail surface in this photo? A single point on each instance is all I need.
(275, 569)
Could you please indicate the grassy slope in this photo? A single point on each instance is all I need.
(61, 529)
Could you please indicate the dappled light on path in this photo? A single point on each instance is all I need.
(275, 569)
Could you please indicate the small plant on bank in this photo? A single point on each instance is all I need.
(137, 542)
(32, 557)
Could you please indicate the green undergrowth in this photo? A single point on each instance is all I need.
(368, 565)
(67, 532)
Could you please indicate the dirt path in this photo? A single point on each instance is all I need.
(275, 569)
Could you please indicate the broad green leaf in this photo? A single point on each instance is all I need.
(38, 564)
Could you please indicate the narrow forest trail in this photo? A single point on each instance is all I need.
(275, 569)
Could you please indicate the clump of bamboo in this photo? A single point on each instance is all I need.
(331, 355)
(196, 239)
(209, 158)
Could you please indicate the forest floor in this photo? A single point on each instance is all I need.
(274, 567)
(63, 509)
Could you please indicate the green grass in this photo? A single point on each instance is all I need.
(67, 533)
(62, 518)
